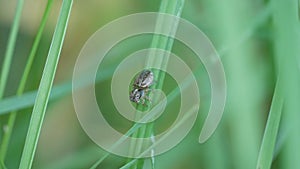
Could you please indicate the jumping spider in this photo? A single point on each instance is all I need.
(141, 87)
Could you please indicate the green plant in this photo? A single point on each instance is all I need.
(286, 48)
(10, 48)
(250, 37)
(160, 42)
(5, 71)
(12, 116)
(40, 105)
(265, 157)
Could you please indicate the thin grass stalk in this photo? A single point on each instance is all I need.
(286, 24)
(171, 7)
(8, 56)
(12, 117)
(40, 105)
(26, 100)
(266, 152)
(10, 47)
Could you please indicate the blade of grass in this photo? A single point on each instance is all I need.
(39, 109)
(12, 116)
(171, 7)
(8, 56)
(286, 45)
(98, 162)
(26, 100)
(269, 139)
(10, 48)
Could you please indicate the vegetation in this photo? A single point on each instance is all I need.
(257, 42)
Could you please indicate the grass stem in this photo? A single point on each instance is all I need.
(174, 8)
(286, 45)
(265, 157)
(12, 117)
(42, 98)
(7, 63)
(10, 47)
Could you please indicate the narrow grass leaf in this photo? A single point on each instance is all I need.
(27, 99)
(45, 86)
(12, 116)
(7, 61)
(286, 26)
(171, 7)
(10, 47)
(265, 157)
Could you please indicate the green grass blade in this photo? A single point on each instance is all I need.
(100, 161)
(26, 100)
(12, 116)
(34, 48)
(8, 57)
(171, 7)
(45, 86)
(286, 45)
(10, 48)
(265, 157)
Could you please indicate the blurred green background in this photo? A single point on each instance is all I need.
(248, 35)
